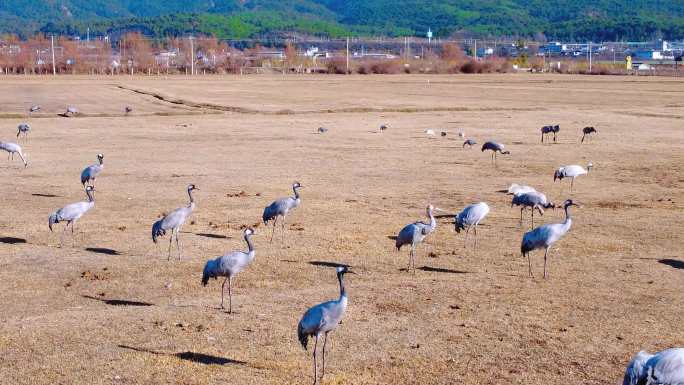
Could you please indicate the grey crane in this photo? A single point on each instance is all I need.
(471, 216)
(322, 319)
(543, 237)
(280, 208)
(229, 265)
(90, 173)
(71, 213)
(587, 131)
(322, 130)
(173, 221)
(383, 127)
(494, 147)
(469, 142)
(414, 233)
(533, 200)
(23, 128)
(550, 130)
(13, 148)
(664, 368)
(34, 108)
(128, 110)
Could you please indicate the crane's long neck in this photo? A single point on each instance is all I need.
(101, 161)
(250, 246)
(433, 221)
(191, 204)
(296, 192)
(91, 198)
(568, 219)
(343, 292)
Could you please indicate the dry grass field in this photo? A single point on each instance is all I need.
(468, 316)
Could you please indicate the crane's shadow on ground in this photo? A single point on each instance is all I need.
(45, 195)
(674, 263)
(437, 270)
(328, 264)
(199, 358)
(102, 250)
(118, 302)
(12, 240)
(213, 236)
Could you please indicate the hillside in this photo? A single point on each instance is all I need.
(559, 19)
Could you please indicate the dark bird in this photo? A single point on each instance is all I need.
(549, 130)
(494, 147)
(588, 131)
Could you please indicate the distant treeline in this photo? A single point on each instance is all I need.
(579, 20)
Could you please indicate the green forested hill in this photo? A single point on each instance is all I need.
(556, 19)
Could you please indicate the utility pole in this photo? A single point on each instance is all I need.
(192, 57)
(347, 55)
(52, 48)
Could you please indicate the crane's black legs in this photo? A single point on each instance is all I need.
(475, 231)
(230, 296)
(529, 264)
(178, 244)
(546, 252)
(465, 241)
(168, 258)
(223, 289)
(274, 226)
(314, 359)
(325, 342)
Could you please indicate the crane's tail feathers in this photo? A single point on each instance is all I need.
(52, 220)
(206, 274)
(157, 231)
(303, 338)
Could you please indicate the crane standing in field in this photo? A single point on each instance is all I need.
(587, 131)
(572, 171)
(322, 319)
(173, 221)
(469, 142)
(543, 237)
(534, 200)
(90, 173)
(280, 208)
(128, 110)
(550, 130)
(34, 108)
(414, 233)
(71, 111)
(23, 128)
(13, 148)
(71, 213)
(495, 147)
(471, 216)
(229, 265)
(665, 368)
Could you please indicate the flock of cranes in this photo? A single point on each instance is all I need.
(666, 367)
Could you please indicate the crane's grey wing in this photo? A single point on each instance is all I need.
(666, 367)
(73, 211)
(312, 321)
(175, 218)
(233, 262)
(535, 239)
(406, 235)
(270, 212)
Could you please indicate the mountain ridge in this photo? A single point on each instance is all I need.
(555, 19)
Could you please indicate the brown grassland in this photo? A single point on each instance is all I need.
(468, 316)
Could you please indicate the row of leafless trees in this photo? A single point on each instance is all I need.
(134, 53)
